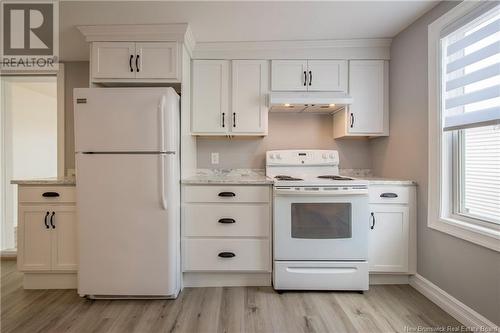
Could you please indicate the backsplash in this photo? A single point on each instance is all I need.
(286, 131)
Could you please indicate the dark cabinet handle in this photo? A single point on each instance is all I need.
(388, 195)
(305, 78)
(227, 194)
(373, 221)
(137, 63)
(223, 122)
(130, 62)
(50, 194)
(227, 220)
(234, 119)
(310, 77)
(52, 220)
(352, 120)
(227, 255)
(45, 220)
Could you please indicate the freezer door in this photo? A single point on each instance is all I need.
(128, 240)
(126, 119)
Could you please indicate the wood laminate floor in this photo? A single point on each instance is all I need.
(235, 309)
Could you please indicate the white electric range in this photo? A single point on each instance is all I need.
(321, 222)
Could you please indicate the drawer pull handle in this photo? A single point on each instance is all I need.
(373, 220)
(388, 195)
(227, 220)
(50, 194)
(227, 255)
(227, 194)
(52, 220)
(45, 220)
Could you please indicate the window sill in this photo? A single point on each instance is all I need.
(487, 237)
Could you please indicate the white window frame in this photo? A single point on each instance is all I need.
(442, 179)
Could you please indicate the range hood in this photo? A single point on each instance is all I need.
(310, 102)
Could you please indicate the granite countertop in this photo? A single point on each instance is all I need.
(45, 181)
(229, 176)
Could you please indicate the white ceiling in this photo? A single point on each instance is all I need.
(244, 21)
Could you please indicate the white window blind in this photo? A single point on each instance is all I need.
(471, 71)
(480, 179)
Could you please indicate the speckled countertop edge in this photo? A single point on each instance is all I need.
(46, 181)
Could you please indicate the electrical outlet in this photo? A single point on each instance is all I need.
(215, 158)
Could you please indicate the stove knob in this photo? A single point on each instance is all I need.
(331, 156)
(278, 156)
(324, 156)
(271, 156)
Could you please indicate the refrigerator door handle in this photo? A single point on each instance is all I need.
(162, 182)
(161, 108)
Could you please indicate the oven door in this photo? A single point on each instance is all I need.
(320, 227)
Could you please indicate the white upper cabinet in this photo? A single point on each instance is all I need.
(368, 115)
(113, 60)
(289, 75)
(130, 61)
(156, 60)
(327, 75)
(218, 110)
(250, 85)
(210, 97)
(309, 75)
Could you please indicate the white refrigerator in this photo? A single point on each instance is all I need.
(128, 192)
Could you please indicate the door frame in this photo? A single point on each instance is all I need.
(4, 189)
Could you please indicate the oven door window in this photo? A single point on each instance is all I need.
(321, 220)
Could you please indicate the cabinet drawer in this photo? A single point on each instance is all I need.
(46, 194)
(220, 220)
(211, 193)
(217, 255)
(388, 194)
(325, 275)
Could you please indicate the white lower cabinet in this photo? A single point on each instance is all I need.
(392, 235)
(226, 235)
(47, 236)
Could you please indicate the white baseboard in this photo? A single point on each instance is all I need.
(458, 310)
(212, 279)
(388, 279)
(50, 281)
(8, 254)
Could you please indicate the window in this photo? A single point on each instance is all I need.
(464, 123)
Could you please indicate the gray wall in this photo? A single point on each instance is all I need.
(290, 131)
(469, 272)
(76, 76)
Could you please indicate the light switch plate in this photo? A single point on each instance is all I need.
(215, 158)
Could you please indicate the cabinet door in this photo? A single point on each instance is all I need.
(389, 239)
(156, 60)
(210, 97)
(64, 239)
(327, 75)
(113, 60)
(34, 239)
(249, 92)
(366, 87)
(289, 75)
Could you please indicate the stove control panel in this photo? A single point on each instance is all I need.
(302, 157)
(321, 190)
